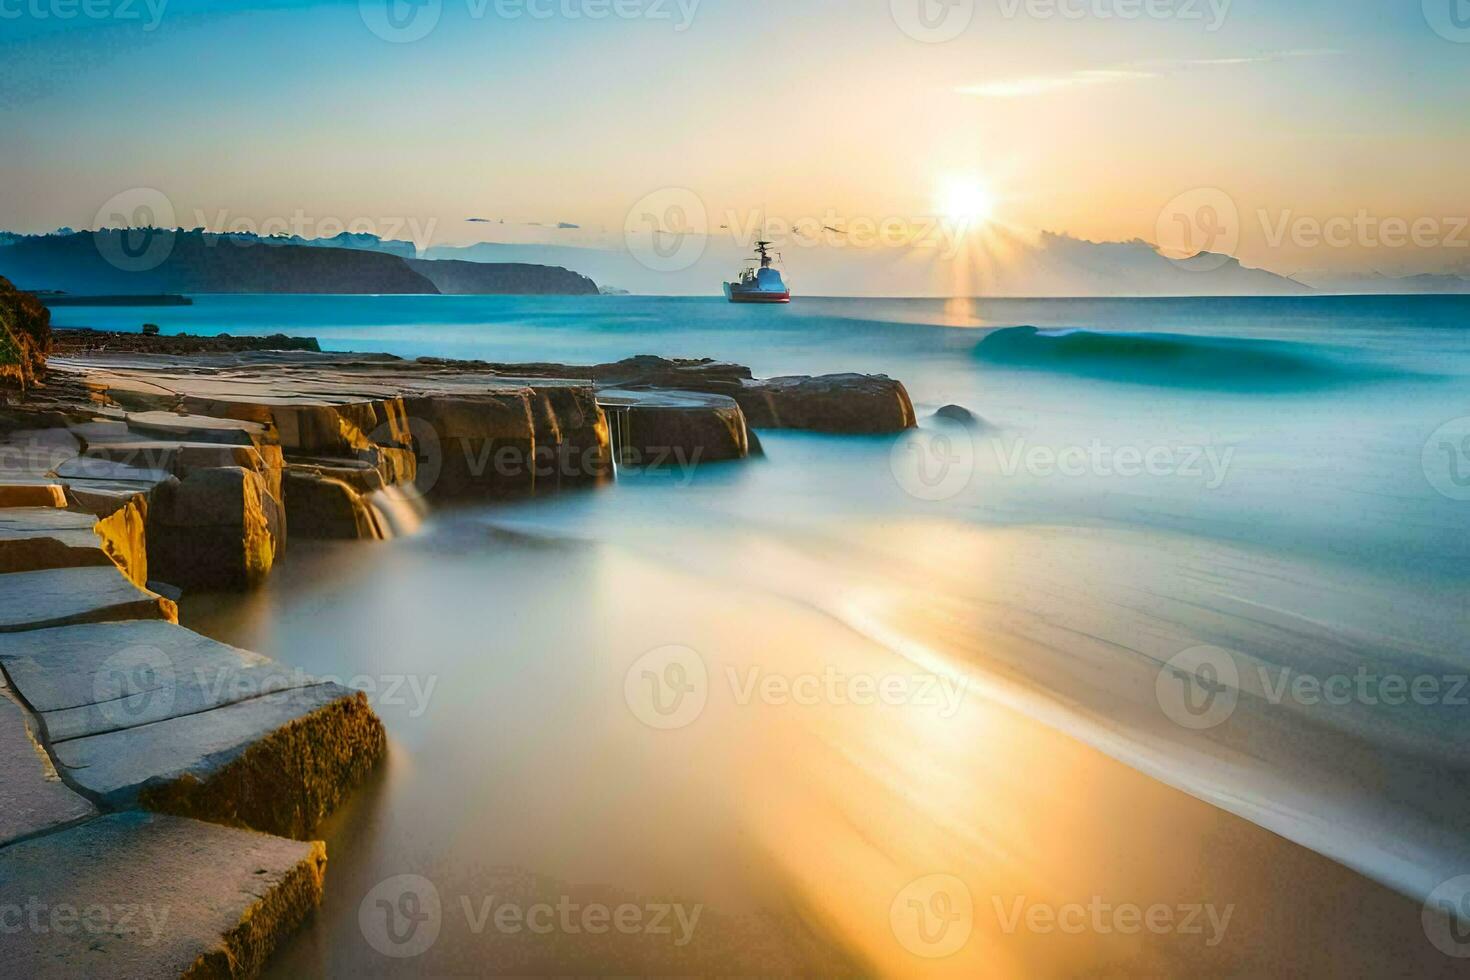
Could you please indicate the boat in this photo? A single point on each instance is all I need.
(759, 281)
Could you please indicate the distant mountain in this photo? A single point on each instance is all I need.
(1060, 265)
(1011, 265)
(130, 262)
(1376, 283)
(519, 278)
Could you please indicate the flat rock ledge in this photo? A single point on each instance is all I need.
(65, 596)
(151, 714)
(132, 895)
(229, 448)
(139, 765)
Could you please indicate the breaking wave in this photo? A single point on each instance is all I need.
(1171, 359)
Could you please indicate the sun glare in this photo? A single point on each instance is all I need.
(966, 201)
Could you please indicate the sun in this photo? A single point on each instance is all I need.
(966, 201)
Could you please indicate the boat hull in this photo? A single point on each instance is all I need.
(737, 294)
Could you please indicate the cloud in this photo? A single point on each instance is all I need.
(1017, 88)
(530, 224)
(1184, 64)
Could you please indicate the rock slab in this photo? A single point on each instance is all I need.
(154, 715)
(134, 895)
(64, 596)
(32, 797)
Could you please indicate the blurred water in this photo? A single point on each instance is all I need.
(1056, 568)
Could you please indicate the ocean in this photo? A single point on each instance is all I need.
(1176, 619)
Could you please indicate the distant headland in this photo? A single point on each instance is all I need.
(155, 261)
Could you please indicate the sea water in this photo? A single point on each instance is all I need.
(1190, 561)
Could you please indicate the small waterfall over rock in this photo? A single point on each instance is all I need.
(396, 511)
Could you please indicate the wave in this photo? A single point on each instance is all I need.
(1172, 359)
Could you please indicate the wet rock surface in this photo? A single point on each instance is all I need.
(961, 415)
(324, 507)
(665, 429)
(851, 404)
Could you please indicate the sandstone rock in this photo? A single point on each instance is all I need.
(151, 714)
(327, 508)
(311, 425)
(103, 498)
(64, 596)
(361, 475)
(101, 677)
(479, 444)
(39, 494)
(679, 374)
(174, 457)
(960, 414)
(278, 763)
(180, 458)
(573, 444)
(656, 428)
(840, 403)
(200, 900)
(201, 428)
(32, 797)
(124, 535)
(27, 456)
(96, 469)
(215, 529)
(36, 538)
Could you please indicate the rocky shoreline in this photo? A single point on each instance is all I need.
(138, 468)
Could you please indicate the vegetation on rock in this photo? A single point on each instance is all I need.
(25, 336)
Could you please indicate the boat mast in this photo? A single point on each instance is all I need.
(763, 249)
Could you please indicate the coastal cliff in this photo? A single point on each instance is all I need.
(482, 278)
(138, 261)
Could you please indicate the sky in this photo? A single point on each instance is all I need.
(1299, 136)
